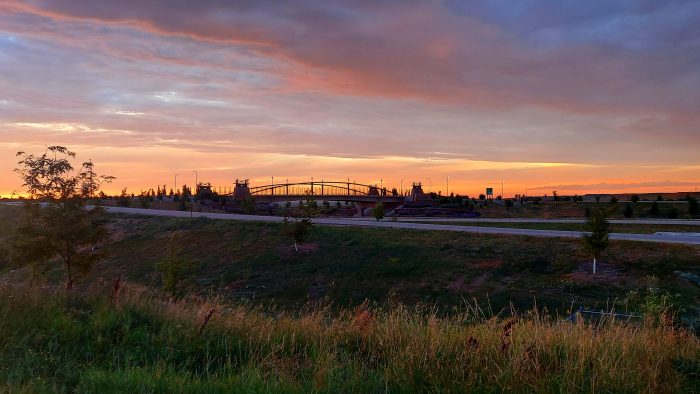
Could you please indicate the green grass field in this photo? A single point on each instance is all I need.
(256, 263)
(139, 342)
(355, 310)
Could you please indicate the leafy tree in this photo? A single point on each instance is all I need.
(628, 211)
(378, 211)
(58, 226)
(596, 238)
(555, 195)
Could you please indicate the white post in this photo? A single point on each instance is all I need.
(594, 265)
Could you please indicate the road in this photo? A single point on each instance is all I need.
(684, 222)
(674, 238)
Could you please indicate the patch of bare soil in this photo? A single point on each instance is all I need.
(116, 232)
(459, 285)
(605, 273)
(488, 263)
(290, 250)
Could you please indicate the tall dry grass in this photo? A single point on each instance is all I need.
(359, 350)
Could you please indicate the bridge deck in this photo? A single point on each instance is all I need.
(267, 198)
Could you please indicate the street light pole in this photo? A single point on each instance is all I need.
(196, 182)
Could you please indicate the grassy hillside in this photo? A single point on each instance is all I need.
(138, 342)
(256, 262)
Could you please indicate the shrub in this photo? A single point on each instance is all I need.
(145, 201)
(173, 268)
(672, 213)
(654, 210)
(297, 229)
(628, 211)
(378, 211)
(124, 200)
(693, 208)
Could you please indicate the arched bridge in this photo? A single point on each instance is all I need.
(316, 190)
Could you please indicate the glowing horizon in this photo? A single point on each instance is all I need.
(600, 97)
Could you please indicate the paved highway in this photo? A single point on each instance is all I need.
(684, 222)
(676, 238)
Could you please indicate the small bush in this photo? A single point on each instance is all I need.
(629, 212)
(672, 213)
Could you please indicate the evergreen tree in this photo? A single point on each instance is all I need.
(596, 238)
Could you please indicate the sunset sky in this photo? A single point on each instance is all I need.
(578, 96)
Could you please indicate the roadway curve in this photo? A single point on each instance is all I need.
(675, 238)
